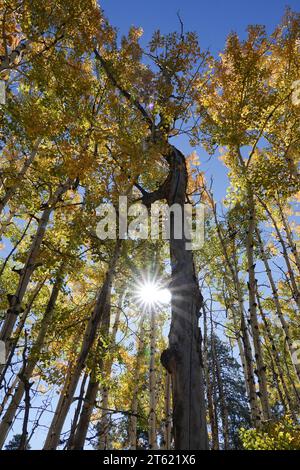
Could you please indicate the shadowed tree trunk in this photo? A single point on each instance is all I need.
(73, 376)
(209, 392)
(85, 415)
(15, 301)
(245, 347)
(13, 188)
(81, 429)
(183, 359)
(132, 425)
(31, 362)
(261, 367)
(167, 431)
(152, 384)
(81, 398)
(276, 299)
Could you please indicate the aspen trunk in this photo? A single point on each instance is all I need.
(15, 247)
(241, 350)
(74, 373)
(223, 404)
(132, 428)
(15, 300)
(274, 289)
(31, 363)
(232, 267)
(8, 394)
(77, 411)
(261, 368)
(104, 421)
(85, 415)
(292, 280)
(276, 362)
(254, 405)
(12, 189)
(209, 391)
(11, 345)
(167, 430)
(291, 241)
(93, 388)
(152, 384)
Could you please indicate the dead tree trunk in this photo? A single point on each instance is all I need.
(183, 358)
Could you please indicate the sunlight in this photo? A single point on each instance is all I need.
(151, 294)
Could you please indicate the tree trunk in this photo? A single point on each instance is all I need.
(105, 421)
(93, 387)
(32, 361)
(183, 358)
(292, 280)
(11, 345)
(77, 412)
(132, 428)
(276, 362)
(15, 300)
(232, 267)
(209, 391)
(290, 239)
(261, 368)
(284, 325)
(152, 384)
(223, 404)
(12, 189)
(85, 415)
(74, 373)
(167, 430)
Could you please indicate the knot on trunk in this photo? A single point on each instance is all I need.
(168, 358)
(14, 306)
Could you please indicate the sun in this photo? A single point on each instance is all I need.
(150, 294)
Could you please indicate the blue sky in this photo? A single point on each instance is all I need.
(213, 20)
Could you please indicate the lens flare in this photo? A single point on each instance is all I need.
(150, 294)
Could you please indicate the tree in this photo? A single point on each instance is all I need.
(14, 443)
